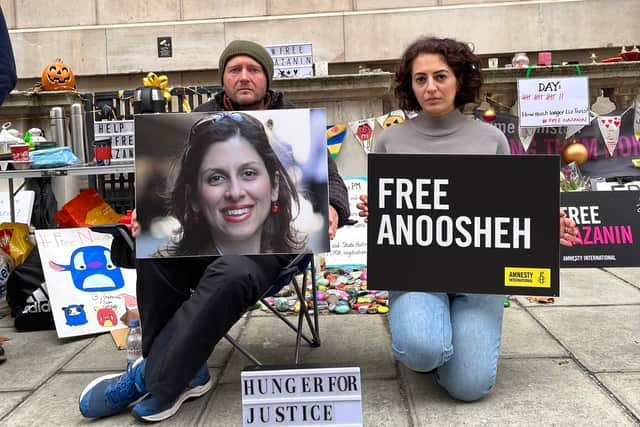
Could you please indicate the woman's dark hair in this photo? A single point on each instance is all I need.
(277, 234)
(459, 56)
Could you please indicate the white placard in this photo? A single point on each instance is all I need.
(291, 60)
(22, 204)
(614, 186)
(552, 102)
(349, 247)
(324, 396)
(122, 136)
(88, 294)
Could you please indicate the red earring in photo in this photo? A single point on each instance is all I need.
(196, 218)
(274, 207)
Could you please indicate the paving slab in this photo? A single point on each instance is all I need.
(102, 354)
(56, 403)
(630, 274)
(345, 338)
(32, 357)
(223, 349)
(602, 338)
(528, 392)
(591, 286)
(382, 405)
(224, 406)
(6, 321)
(9, 400)
(522, 336)
(267, 327)
(626, 387)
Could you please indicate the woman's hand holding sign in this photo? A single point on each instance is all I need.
(568, 232)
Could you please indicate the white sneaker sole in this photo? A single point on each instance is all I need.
(191, 393)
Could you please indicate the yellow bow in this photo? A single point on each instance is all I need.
(161, 81)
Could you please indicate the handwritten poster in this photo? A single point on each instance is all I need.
(349, 247)
(88, 294)
(553, 102)
(23, 205)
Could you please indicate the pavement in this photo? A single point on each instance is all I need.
(573, 362)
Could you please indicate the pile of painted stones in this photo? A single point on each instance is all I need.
(339, 291)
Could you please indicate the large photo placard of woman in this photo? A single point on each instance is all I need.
(220, 183)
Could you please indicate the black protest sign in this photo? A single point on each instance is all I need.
(609, 226)
(460, 223)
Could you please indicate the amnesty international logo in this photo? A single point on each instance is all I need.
(527, 277)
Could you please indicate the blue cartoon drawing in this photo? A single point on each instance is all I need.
(92, 270)
(75, 314)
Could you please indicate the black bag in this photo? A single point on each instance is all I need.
(45, 204)
(27, 296)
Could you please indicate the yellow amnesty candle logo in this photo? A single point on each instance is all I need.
(527, 277)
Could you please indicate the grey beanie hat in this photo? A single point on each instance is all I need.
(254, 50)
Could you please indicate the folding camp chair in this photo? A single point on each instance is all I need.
(298, 265)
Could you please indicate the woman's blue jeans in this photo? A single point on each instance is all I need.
(459, 334)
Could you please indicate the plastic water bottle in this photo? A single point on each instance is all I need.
(134, 341)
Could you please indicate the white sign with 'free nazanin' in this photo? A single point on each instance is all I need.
(292, 60)
(326, 396)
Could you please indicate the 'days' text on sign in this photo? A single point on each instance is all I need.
(302, 395)
(463, 223)
(122, 135)
(553, 102)
(609, 226)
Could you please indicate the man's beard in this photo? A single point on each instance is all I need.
(259, 104)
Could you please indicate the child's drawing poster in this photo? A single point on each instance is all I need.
(87, 292)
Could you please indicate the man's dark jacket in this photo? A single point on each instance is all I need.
(338, 196)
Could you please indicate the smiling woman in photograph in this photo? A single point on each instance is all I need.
(232, 194)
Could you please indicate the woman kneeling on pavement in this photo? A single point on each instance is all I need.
(458, 335)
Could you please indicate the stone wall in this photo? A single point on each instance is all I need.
(118, 37)
(353, 97)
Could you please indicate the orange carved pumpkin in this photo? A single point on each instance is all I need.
(58, 76)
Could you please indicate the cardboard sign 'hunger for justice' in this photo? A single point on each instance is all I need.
(470, 224)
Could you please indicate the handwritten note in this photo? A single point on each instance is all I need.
(349, 247)
(553, 102)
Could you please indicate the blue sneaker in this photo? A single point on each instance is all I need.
(110, 394)
(153, 410)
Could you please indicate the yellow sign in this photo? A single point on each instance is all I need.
(527, 277)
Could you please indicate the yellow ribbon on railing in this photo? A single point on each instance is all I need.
(185, 104)
(161, 81)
